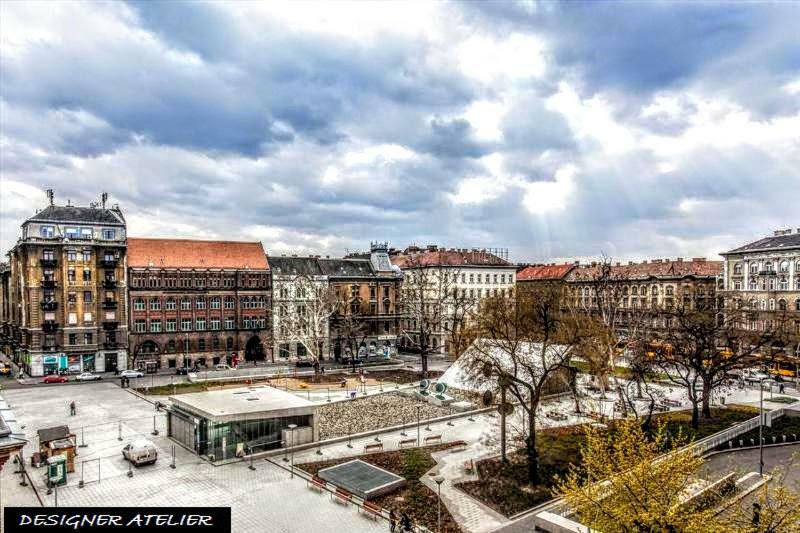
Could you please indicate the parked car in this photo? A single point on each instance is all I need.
(182, 370)
(55, 379)
(304, 363)
(74, 369)
(222, 366)
(131, 374)
(88, 376)
(140, 452)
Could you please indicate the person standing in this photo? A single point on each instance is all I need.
(72, 408)
(392, 520)
(405, 522)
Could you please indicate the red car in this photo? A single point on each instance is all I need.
(55, 379)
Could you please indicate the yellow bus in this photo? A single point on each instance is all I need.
(785, 369)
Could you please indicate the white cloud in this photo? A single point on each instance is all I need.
(543, 197)
(489, 59)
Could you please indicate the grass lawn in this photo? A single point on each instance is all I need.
(785, 425)
(415, 499)
(505, 488)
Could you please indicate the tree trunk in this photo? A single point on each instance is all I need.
(424, 357)
(695, 414)
(530, 447)
(706, 399)
(638, 387)
(503, 456)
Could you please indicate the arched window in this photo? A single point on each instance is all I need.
(783, 284)
(155, 304)
(654, 290)
(200, 303)
(138, 304)
(737, 269)
(170, 304)
(635, 290)
(768, 266)
(781, 305)
(215, 302)
(772, 304)
(784, 266)
(771, 284)
(186, 304)
(171, 346)
(670, 290)
(754, 268)
(229, 343)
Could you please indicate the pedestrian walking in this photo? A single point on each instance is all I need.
(392, 520)
(405, 522)
(72, 408)
(781, 388)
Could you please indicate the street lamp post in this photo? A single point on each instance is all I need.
(761, 426)
(291, 432)
(419, 408)
(439, 479)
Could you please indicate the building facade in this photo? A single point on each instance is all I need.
(640, 290)
(198, 303)
(452, 280)
(66, 309)
(760, 282)
(296, 283)
(367, 321)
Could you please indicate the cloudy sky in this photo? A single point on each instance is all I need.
(557, 130)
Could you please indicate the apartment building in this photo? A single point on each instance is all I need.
(198, 303)
(65, 302)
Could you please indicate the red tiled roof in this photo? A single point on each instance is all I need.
(187, 253)
(544, 272)
(446, 258)
(658, 269)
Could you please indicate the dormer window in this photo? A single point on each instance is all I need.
(109, 234)
(47, 232)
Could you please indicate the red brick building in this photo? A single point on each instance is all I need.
(198, 302)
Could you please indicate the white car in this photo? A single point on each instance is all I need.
(88, 376)
(753, 374)
(131, 374)
(222, 367)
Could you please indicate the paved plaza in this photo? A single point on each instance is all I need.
(262, 500)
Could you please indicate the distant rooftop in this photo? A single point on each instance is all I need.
(544, 272)
(655, 268)
(782, 240)
(79, 215)
(188, 253)
(433, 255)
(235, 404)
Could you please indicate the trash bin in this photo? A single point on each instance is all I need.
(57, 470)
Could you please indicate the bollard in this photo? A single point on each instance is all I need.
(730, 444)
(741, 443)
(119, 431)
(752, 442)
(450, 422)
(80, 484)
(155, 431)
(773, 439)
(82, 444)
(329, 395)
(319, 448)
(784, 438)
(172, 464)
(130, 468)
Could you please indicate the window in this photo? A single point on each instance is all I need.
(201, 324)
(86, 233)
(88, 338)
(284, 292)
(47, 232)
(784, 266)
(71, 275)
(784, 284)
(73, 338)
(109, 234)
(781, 305)
(72, 318)
(201, 344)
(155, 326)
(171, 346)
(229, 302)
(139, 325)
(214, 323)
(87, 297)
(155, 304)
(87, 256)
(71, 298)
(463, 278)
(215, 343)
(186, 324)
(229, 323)
(87, 274)
(201, 303)
(72, 233)
(472, 278)
(215, 302)
(754, 268)
(737, 269)
(172, 324)
(186, 304)
(170, 304)
(138, 304)
(72, 255)
(88, 318)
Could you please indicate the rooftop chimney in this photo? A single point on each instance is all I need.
(679, 259)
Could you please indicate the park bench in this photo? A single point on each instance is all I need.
(341, 496)
(407, 442)
(433, 438)
(371, 510)
(375, 447)
(469, 466)
(317, 483)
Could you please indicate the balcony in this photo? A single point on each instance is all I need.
(109, 284)
(110, 324)
(109, 262)
(49, 326)
(767, 273)
(109, 304)
(48, 263)
(49, 283)
(49, 306)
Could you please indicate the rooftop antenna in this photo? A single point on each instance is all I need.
(103, 199)
(49, 193)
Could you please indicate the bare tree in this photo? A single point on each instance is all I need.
(521, 343)
(702, 345)
(347, 324)
(427, 298)
(305, 320)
